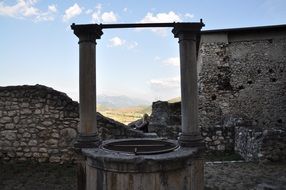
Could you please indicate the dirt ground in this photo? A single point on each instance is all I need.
(218, 176)
(33, 176)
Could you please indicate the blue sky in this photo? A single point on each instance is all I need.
(37, 45)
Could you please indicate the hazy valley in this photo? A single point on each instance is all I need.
(122, 108)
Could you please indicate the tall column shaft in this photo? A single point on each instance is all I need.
(187, 34)
(189, 89)
(87, 88)
(87, 34)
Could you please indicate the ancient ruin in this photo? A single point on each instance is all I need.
(106, 169)
(241, 106)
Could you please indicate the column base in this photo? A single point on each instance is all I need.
(191, 140)
(87, 141)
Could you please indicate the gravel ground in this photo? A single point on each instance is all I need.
(227, 176)
(245, 176)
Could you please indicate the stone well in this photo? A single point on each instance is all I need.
(118, 170)
(102, 168)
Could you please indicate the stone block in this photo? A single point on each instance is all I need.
(26, 135)
(5, 120)
(55, 159)
(10, 126)
(43, 150)
(9, 134)
(47, 123)
(25, 111)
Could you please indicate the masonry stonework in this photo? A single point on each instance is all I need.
(39, 123)
(242, 88)
(242, 104)
(242, 79)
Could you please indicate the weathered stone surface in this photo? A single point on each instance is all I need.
(165, 120)
(26, 135)
(242, 84)
(47, 123)
(32, 143)
(5, 120)
(10, 126)
(43, 150)
(258, 144)
(9, 135)
(41, 123)
(55, 159)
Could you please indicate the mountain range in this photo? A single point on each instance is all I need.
(120, 101)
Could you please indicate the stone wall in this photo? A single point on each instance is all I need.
(165, 120)
(242, 84)
(258, 144)
(39, 123)
(242, 77)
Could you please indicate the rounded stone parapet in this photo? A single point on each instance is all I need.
(116, 161)
(114, 170)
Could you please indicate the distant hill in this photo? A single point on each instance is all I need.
(125, 109)
(122, 108)
(120, 101)
(173, 100)
(124, 115)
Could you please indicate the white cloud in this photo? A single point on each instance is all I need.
(157, 58)
(132, 45)
(95, 17)
(52, 8)
(189, 16)
(165, 88)
(72, 11)
(161, 18)
(108, 17)
(30, 11)
(175, 61)
(166, 83)
(26, 9)
(125, 9)
(105, 17)
(116, 41)
(88, 11)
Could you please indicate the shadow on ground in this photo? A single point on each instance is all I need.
(218, 176)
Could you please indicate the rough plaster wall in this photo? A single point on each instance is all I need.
(39, 123)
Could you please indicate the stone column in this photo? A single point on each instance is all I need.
(187, 34)
(87, 34)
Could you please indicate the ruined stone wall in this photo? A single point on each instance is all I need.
(165, 120)
(242, 80)
(39, 123)
(257, 144)
(242, 83)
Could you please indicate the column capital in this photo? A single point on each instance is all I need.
(87, 32)
(187, 30)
